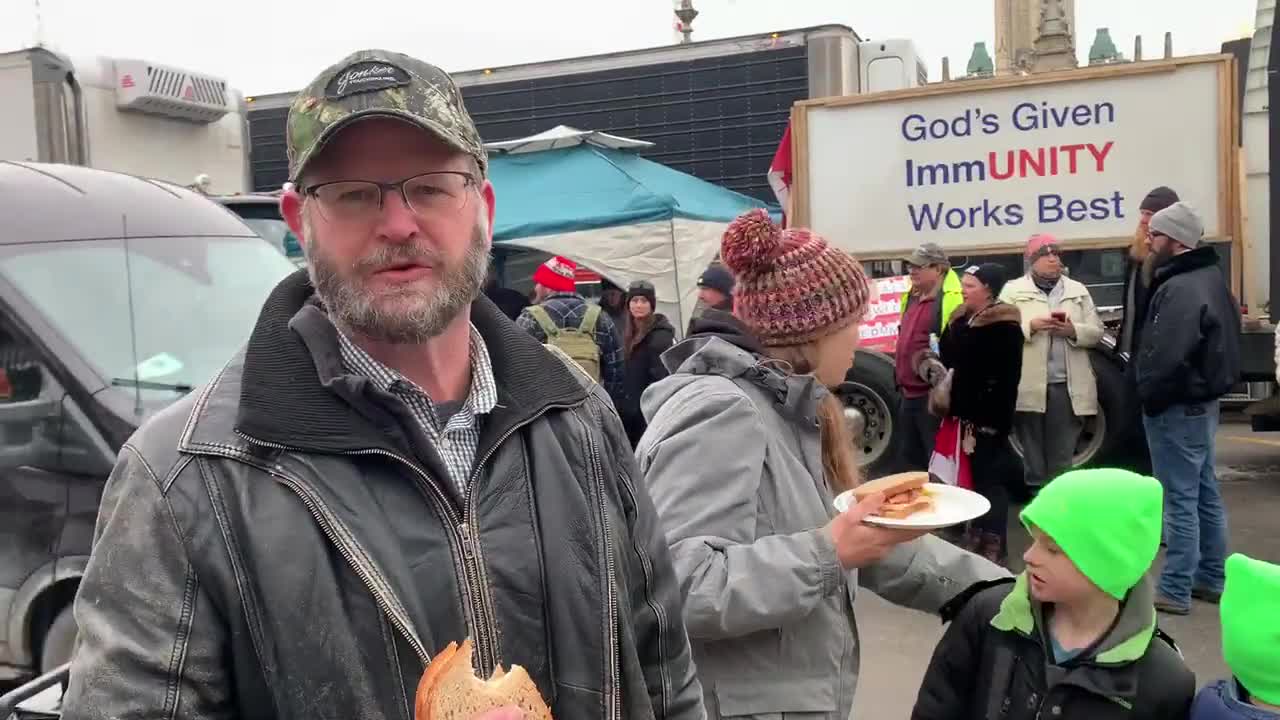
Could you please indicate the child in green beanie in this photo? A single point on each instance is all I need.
(1250, 613)
(1074, 637)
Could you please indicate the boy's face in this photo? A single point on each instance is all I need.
(1051, 575)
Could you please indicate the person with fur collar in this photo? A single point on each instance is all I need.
(983, 346)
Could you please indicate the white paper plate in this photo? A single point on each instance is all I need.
(951, 506)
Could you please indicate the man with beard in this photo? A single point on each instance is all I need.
(614, 303)
(1138, 268)
(1189, 358)
(390, 465)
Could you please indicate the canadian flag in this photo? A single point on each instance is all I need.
(780, 172)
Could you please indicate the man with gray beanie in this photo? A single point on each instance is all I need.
(1189, 358)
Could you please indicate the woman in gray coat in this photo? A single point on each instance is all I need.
(744, 451)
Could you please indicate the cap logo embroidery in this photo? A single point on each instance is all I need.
(365, 77)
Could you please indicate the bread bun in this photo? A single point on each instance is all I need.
(450, 689)
(891, 485)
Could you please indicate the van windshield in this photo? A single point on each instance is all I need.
(156, 312)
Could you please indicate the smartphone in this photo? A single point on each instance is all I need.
(1060, 315)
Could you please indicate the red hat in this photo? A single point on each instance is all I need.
(1038, 242)
(791, 287)
(557, 274)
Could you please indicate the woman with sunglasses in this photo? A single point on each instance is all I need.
(1057, 390)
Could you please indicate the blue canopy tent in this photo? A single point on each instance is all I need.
(588, 197)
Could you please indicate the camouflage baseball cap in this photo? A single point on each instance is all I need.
(927, 254)
(379, 83)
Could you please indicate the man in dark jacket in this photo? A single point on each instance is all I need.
(1139, 266)
(715, 292)
(390, 465)
(1189, 358)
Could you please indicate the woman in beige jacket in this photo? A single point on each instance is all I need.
(1057, 390)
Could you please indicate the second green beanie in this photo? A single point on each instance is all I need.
(1106, 521)
(1250, 613)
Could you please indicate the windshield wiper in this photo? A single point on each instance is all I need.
(148, 385)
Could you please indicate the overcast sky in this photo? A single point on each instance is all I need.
(263, 46)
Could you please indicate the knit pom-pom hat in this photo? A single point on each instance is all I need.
(791, 287)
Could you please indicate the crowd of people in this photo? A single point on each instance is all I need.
(1018, 350)
(646, 526)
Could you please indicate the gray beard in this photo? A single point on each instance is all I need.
(406, 315)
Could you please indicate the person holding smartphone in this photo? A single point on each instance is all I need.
(1057, 389)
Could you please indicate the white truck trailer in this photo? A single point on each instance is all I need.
(127, 115)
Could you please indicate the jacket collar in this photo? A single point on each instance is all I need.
(997, 312)
(293, 354)
(1201, 257)
(1106, 669)
(795, 396)
(1024, 286)
(950, 285)
(1125, 643)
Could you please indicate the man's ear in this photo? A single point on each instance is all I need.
(490, 202)
(291, 211)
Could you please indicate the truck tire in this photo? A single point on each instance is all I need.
(1124, 441)
(1114, 437)
(59, 641)
(870, 396)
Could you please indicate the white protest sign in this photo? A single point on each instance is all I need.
(985, 164)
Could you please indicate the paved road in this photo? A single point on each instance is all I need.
(897, 643)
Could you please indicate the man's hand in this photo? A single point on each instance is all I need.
(859, 544)
(506, 713)
(1042, 324)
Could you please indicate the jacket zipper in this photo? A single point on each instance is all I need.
(478, 585)
(320, 513)
(478, 604)
(611, 709)
(482, 630)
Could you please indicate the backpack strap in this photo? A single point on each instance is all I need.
(540, 316)
(589, 320)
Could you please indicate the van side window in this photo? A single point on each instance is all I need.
(20, 375)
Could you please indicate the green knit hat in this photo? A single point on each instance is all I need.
(1251, 626)
(1106, 521)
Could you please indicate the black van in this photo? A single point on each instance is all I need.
(117, 296)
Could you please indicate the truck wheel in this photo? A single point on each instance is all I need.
(59, 641)
(870, 398)
(1109, 438)
(1123, 441)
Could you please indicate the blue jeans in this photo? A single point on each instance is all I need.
(1181, 440)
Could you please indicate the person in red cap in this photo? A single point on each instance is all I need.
(1057, 389)
(563, 318)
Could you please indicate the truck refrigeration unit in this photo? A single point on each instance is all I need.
(125, 115)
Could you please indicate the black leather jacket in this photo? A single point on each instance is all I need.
(273, 546)
(1190, 346)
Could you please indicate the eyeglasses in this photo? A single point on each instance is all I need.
(362, 200)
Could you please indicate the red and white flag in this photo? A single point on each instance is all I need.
(780, 172)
